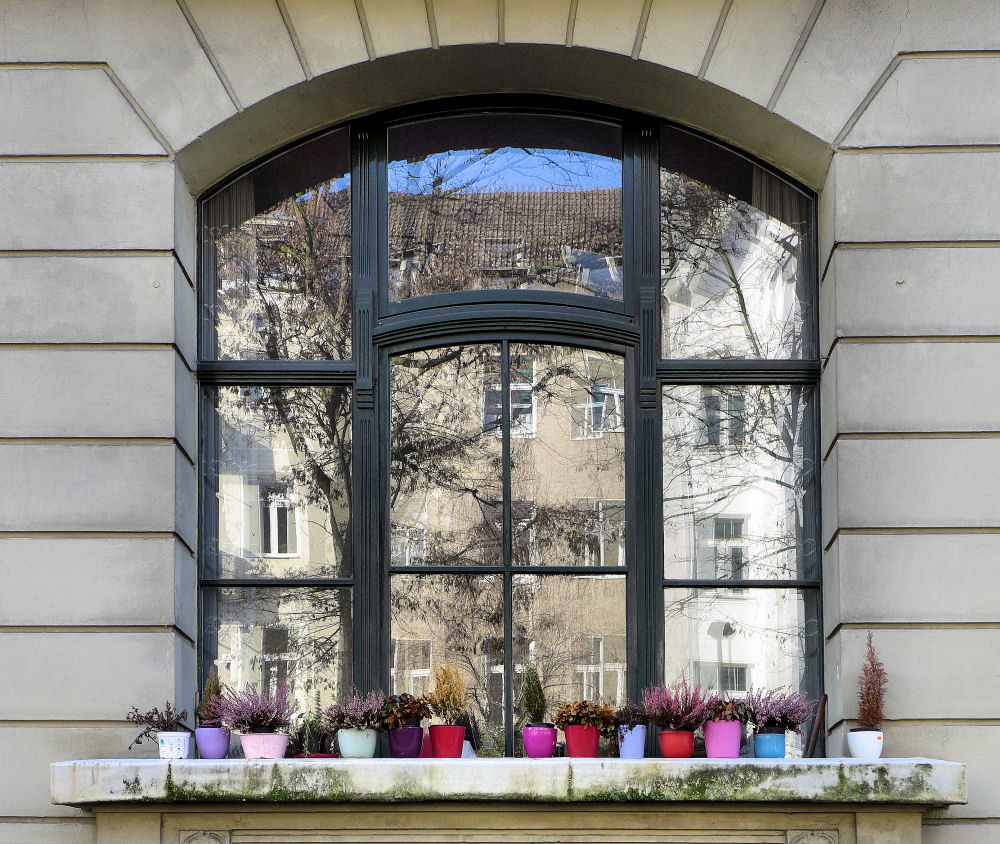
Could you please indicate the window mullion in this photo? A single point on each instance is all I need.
(508, 554)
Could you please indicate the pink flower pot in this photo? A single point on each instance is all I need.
(539, 742)
(582, 742)
(264, 745)
(722, 739)
(446, 741)
(677, 744)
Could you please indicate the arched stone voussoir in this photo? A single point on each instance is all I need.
(360, 89)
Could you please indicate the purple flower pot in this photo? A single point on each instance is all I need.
(632, 742)
(213, 742)
(539, 742)
(722, 739)
(404, 742)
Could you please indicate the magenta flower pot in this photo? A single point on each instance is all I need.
(405, 742)
(264, 745)
(539, 742)
(212, 742)
(722, 739)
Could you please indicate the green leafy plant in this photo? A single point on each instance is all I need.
(631, 714)
(310, 734)
(725, 708)
(154, 721)
(448, 699)
(403, 709)
(871, 690)
(535, 703)
(583, 713)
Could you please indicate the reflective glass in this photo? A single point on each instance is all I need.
(278, 256)
(738, 491)
(271, 635)
(735, 266)
(735, 639)
(567, 456)
(457, 619)
(503, 202)
(445, 471)
(573, 628)
(282, 480)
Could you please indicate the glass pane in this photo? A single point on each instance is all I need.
(269, 635)
(505, 202)
(738, 491)
(573, 628)
(734, 256)
(278, 253)
(445, 475)
(453, 618)
(567, 456)
(734, 639)
(282, 475)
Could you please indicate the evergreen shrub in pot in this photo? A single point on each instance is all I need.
(448, 701)
(539, 736)
(211, 738)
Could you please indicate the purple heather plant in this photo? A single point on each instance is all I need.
(677, 708)
(777, 709)
(249, 711)
(154, 721)
(357, 711)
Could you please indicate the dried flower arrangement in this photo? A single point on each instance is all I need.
(871, 690)
(724, 708)
(402, 710)
(249, 711)
(680, 707)
(154, 721)
(357, 711)
(631, 714)
(535, 704)
(777, 710)
(583, 713)
(448, 699)
(204, 715)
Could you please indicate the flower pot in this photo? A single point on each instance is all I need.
(264, 745)
(864, 743)
(632, 742)
(357, 744)
(722, 739)
(174, 745)
(676, 744)
(212, 742)
(539, 740)
(447, 740)
(405, 742)
(769, 745)
(582, 742)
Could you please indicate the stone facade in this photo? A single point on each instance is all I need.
(119, 114)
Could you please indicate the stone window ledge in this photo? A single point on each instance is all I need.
(923, 782)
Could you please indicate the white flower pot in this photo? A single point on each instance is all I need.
(174, 745)
(357, 744)
(865, 744)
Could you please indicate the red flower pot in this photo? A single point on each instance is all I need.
(582, 742)
(677, 744)
(446, 741)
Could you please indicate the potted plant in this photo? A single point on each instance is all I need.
(401, 716)
(539, 736)
(211, 738)
(631, 720)
(865, 740)
(678, 711)
(584, 723)
(772, 712)
(357, 719)
(311, 739)
(448, 701)
(256, 716)
(173, 742)
(724, 727)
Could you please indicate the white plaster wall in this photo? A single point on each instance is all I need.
(120, 112)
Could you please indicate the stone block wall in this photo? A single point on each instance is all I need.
(117, 114)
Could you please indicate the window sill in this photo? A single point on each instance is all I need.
(923, 782)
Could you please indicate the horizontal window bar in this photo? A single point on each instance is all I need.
(267, 372)
(282, 582)
(742, 584)
(512, 569)
(735, 371)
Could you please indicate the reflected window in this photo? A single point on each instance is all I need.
(277, 535)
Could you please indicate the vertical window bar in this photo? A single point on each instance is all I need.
(508, 556)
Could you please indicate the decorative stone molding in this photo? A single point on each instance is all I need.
(203, 837)
(812, 836)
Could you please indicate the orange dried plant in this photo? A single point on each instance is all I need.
(871, 690)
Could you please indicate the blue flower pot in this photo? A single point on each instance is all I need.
(632, 742)
(769, 745)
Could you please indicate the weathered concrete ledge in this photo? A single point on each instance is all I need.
(927, 782)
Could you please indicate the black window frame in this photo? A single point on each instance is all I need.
(381, 328)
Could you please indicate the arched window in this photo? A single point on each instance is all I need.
(500, 382)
